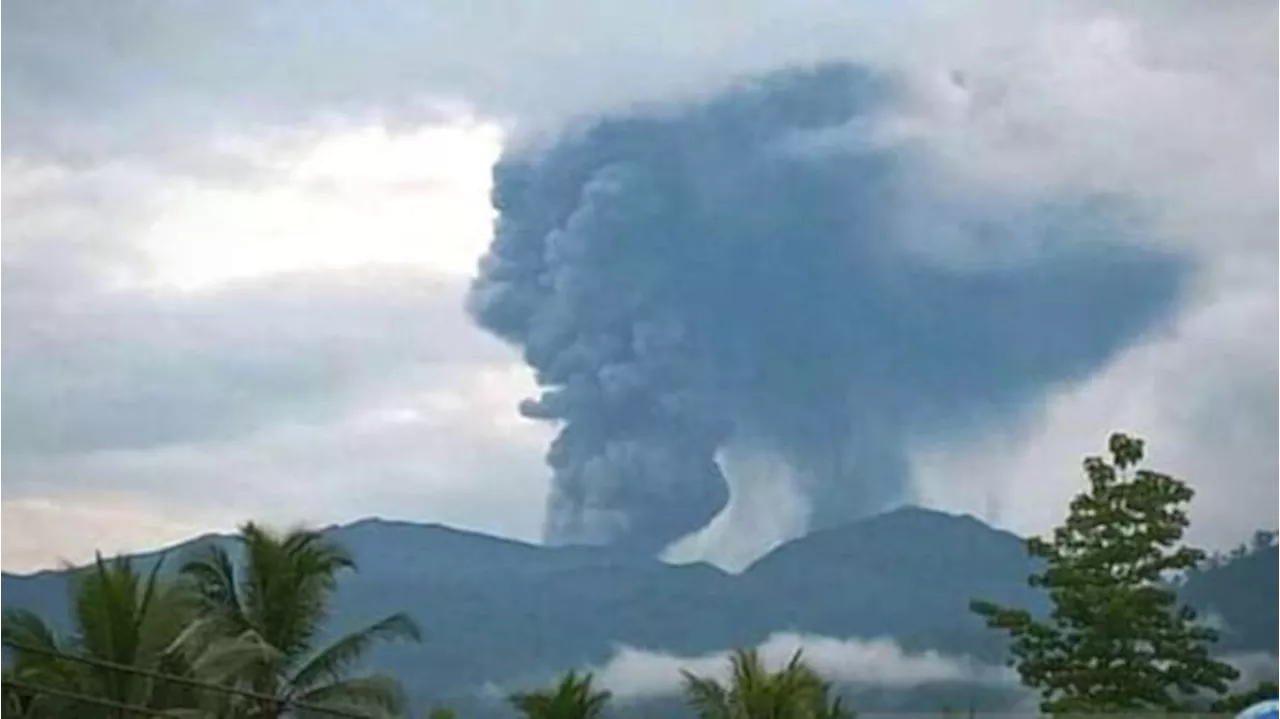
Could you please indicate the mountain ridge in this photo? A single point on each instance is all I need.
(385, 523)
(498, 611)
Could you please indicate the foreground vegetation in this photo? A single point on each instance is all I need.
(250, 628)
(238, 637)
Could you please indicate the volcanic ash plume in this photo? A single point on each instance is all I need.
(688, 279)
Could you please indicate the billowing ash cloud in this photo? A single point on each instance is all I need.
(727, 274)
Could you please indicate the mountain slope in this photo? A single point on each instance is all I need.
(506, 612)
(1241, 593)
(908, 574)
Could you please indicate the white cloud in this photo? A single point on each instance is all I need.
(1120, 104)
(450, 452)
(153, 396)
(131, 368)
(1068, 64)
(219, 67)
(1254, 668)
(1202, 394)
(208, 308)
(765, 509)
(1172, 108)
(286, 342)
(163, 69)
(634, 673)
(366, 196)
(43, 531)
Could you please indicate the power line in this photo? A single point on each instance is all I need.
(85, 698)
(173, 678)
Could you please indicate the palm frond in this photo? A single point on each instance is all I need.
(374, 696)
(26, 628)
(23, 628)
(244, 654)
(795, 691)
(290, 580)
(573, 697)
(212, 575)
(706, 697)
(330, 663)
(260, 622)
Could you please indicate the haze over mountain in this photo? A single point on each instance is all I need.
(879, 604)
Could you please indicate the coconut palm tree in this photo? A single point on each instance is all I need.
(119, 617)
(572, 698)
(259, 628)
(793, 692)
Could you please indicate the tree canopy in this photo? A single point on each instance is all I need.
(1117, 638)
(795, 691)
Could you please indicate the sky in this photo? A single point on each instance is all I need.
(239, 238)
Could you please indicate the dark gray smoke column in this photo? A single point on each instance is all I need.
(684, 280)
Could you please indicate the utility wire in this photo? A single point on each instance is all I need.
(186, 681)
(85, 698)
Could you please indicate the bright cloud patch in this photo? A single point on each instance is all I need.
(365, 196)
(40, 530)
(634, 673)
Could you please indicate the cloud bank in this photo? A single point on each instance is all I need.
(183, 352)
(637, 674)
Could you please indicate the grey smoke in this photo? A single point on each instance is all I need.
(684, 279)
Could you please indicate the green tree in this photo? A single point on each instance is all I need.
(260, 625)
(1238, 702)
(1262, 539)
(1116, 639)
(793, 692)
(573, 698)
(119, 617)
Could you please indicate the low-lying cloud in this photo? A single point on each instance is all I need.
(1254, 667)
(633, 674)
(638, 674)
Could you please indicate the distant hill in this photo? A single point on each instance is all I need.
(1239, 592)
(502, 612)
